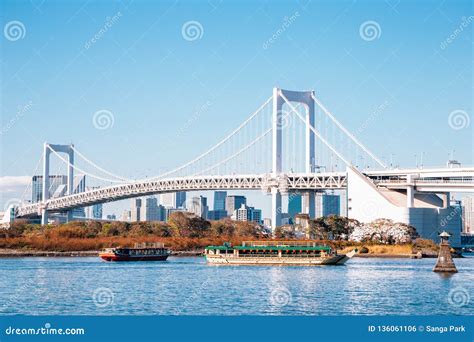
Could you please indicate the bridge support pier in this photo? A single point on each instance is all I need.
(446, 200)
(276, 208)
(410, 192)
(410, 197)
(69, 216)
(44, 217)
(309, 203)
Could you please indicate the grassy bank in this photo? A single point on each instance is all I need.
(185, 233)
(196, 245)
(40, 243)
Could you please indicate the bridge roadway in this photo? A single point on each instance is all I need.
(264, 182)
(429, 180)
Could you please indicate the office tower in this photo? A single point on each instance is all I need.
(58, 188)
(173, 199)
(219, 200)
(233, 203)
(246, 213)
(467, 207)
(126, 216)
(55, 181)
(198, 206)
(151, 211)
(327, 204)
(136, 209)
(294, 205)
(97, 211)
(215, 215)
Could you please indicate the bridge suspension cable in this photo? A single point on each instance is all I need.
(349, 134)
(243, 149)
(29, 186)
(293, 109)
(80, 170)
(201, 156)
(237, 153)
(98, 167)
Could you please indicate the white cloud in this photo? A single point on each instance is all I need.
(12, 189)
(13, 184)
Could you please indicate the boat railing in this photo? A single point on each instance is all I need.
(149, 245)
(223, 255)
(276, 256)
(279, 243)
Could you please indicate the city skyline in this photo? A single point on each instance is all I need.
(260, 170)
(377, 99)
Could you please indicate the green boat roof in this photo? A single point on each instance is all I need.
(271, 248)
(221, 248)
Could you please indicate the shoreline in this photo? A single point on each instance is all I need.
(15, 253)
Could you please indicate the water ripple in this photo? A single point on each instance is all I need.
(188, 286)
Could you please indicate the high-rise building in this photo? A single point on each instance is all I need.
(58, 188)
(327, 204)
(55, 181)
(246, 213)
(173, 199)
(233, 203)
(198, 206)
(94, 211)
(151, 211)
(136, 209)
(97, 211)
(169, 211)
(219, 200)
(215, 215)
(467, 205)
(126, 216)
(294, 205)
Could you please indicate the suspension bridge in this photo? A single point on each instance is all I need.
(291, 143)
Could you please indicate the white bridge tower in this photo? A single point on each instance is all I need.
(307, 99)
(69, 150)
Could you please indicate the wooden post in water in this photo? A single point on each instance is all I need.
(445, 262)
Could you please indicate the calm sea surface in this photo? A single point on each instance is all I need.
(188, 286)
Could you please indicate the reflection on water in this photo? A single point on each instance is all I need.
(188, 286)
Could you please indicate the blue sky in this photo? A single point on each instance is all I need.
(153, 80)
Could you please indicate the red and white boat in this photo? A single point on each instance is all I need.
(140, 252)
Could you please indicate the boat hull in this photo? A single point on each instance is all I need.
(289, 261)
(115, 257)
